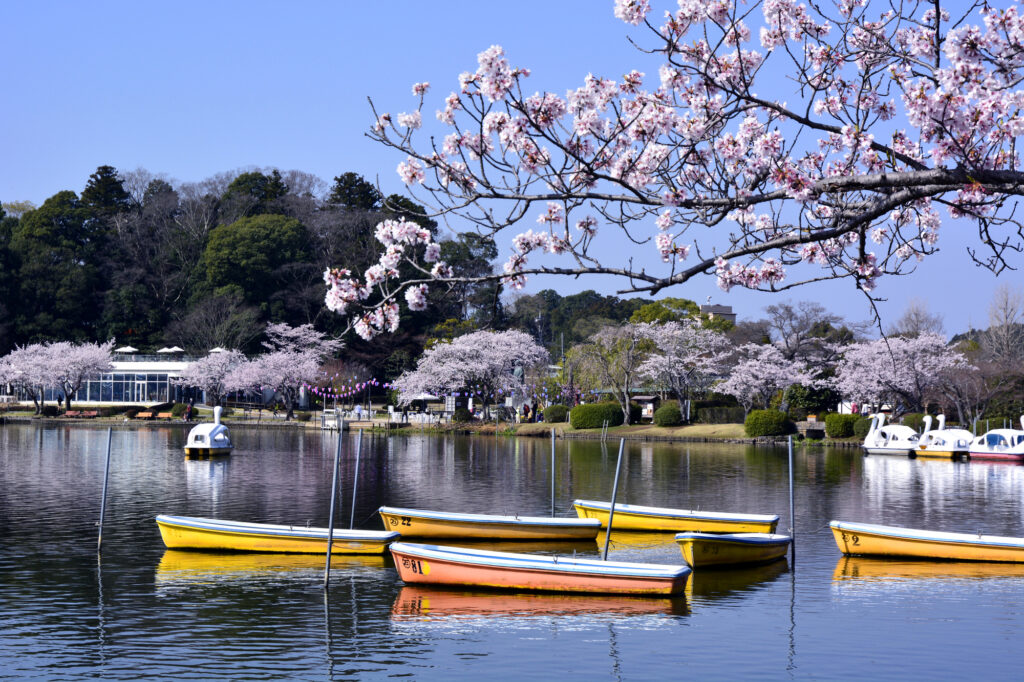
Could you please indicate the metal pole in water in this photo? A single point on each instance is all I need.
(552, 471)
(103, 501)
(330, 522)
(355, 479)
(792, 513)
(615, 492)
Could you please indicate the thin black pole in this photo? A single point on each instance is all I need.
(552, 471)
(792, 513)
(615, 492)
(103, 501)
(355, 479)
(330, 522)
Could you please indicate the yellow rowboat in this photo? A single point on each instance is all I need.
(730, 549)
(871, 540)
(186, 532)
(434, 524)
(635, 517)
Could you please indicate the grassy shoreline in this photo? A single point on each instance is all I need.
(704, 433)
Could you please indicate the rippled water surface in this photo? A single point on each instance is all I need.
(143, 612)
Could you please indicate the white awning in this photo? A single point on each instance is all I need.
(126, 349)
(218, 349)
(172, 349)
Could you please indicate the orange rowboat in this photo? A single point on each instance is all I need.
(432, 564)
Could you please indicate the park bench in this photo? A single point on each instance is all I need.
(72, 413)
(165, 415)
(143, 415)
(89, 414)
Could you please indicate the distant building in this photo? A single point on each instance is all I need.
(714, 311)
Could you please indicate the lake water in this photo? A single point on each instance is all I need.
(143, 612)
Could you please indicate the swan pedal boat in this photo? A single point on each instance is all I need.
(731, 549)
(210, 439)
(999, 444)
(636, 517)
(435, 524)
(943, 442)
(187, 532)
(872, 540)
(437, 565)
(894, 439)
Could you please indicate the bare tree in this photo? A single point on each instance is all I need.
(916, 320)
(222, 321)
(1004, 339)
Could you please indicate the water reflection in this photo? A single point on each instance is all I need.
(425, 603)
(722, 583)
(180, 568)
(852, 570)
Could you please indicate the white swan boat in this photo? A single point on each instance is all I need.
(894, 439)
(999, 444)
(209, 440)
(943, 442)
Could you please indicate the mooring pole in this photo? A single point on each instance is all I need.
(330, 522)
(615, 492)
(103, 501)
(552, 471)
(792, 513)
(355, 480)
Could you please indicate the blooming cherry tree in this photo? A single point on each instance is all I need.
(209, 374)
(72, 363)
(687, 358)
(483, 363)
(293, 359)
(890, 119)
(898, 371)
(28, 370)
(760, 373)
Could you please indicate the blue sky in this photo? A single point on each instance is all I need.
(190, 89)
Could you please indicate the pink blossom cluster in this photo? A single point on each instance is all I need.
(749, 276)
(398, 237)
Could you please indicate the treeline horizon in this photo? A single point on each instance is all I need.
(149, 263)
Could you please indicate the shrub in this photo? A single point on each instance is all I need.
(840, 425)
(720, 415)
(462, 415)
(594, 415)
(178, 410)
(766, 423)
(555, 413)
(668, 415)
(635, 413)
(50, 410)
(861, 427)
(303, 416)
(914, 420)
